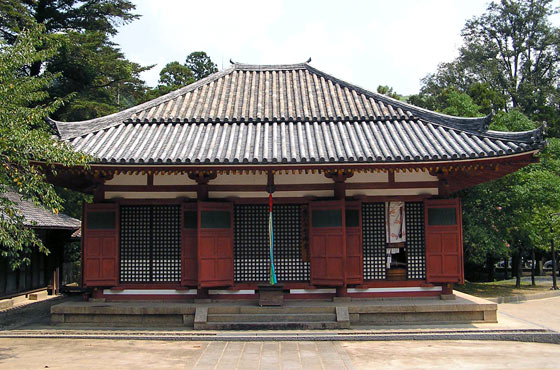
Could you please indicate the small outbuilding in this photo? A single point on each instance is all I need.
(54, 230)
(344, 192)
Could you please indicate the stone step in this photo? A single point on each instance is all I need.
(267, 325)
(278, 318)
(255, 310)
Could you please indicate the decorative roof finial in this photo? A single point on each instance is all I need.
(308, 60)
(231, 61)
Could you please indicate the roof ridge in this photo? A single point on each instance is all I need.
(268, 67)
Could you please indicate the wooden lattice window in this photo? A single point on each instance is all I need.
(374, 241)
(150, 244)
(415, 240)
(251, 243)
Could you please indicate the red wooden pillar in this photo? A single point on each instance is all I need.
(339, 178)
(202, 180)
(354, 250)
(189, 260)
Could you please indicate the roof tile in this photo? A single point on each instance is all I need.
(285, 114)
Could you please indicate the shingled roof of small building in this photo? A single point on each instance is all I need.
(38, 217)
(285, 114)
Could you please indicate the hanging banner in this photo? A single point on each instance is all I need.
(396, 231)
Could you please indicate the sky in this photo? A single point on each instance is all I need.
(367, 43)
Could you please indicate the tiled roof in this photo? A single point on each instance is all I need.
(285, 114)
(39, 217)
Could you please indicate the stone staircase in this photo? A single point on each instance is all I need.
(270, 318)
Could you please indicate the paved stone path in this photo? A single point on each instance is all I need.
(137, 354)
(142, 354)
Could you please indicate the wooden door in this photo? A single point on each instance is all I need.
(215, 244)
(354, 259)
(101, 244)
(327, 242)
(444, 241)
(189, 258)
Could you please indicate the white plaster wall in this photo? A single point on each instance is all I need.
(237, 194)
(125, 179)
(172, 179)
(276, 194)
(301, 178)
(414, 176)
(369, 177)
(148, 195)
(390, 192)
(304, 193)
(248, 179)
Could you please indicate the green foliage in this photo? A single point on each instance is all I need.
(101, 79)
(459, 104)
(86, 63)
(449, 101)
(200, 64)
(510, 59)
(386, 90)
(514, 48)
(176, 75)
(60, 16)
(512, 214)
(26, 139)
(513, 120)
(509, 65)
(488, 99)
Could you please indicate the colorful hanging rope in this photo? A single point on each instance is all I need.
(271, 239)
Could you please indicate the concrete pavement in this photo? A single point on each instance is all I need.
(67, 352)
(544, 313)
(138, 355)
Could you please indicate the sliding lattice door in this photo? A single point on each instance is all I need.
(150, 244)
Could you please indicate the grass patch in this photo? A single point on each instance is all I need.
(501, 288)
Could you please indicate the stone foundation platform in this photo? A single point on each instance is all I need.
(304, 314)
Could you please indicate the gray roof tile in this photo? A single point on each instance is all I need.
(39, 217)
(285, 114)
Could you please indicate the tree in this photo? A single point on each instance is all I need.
(509, 216)
(61, 16)
(95, 70)
(200, 64)
(172, 77)
(517, 48)
(510, 59)
(25, 138)
(176, 75)
(386, 90)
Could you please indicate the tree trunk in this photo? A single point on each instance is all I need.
(490, 267)
(533, 263)
(519, 271)
(539, 266)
